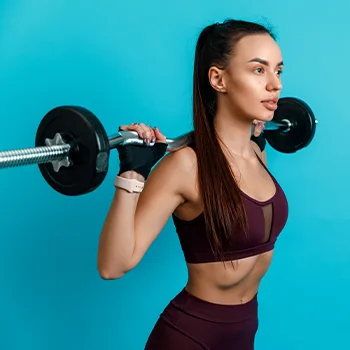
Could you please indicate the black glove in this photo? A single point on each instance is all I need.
(260, 141)
(140, 158)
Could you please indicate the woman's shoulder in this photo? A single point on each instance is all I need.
(183, 159)
(177, 170)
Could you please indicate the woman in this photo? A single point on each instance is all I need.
(227, 208)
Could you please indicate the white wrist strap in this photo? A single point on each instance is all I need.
(130, 185)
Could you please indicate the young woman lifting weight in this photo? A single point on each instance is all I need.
(227, 207)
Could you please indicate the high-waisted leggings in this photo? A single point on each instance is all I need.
(189, 323)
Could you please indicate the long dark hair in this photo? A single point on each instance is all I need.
(223, 207)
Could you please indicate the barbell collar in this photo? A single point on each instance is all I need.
(283, 125)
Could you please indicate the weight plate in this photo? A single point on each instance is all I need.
(302, 130)
(89, 154)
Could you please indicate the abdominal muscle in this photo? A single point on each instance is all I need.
(228, 283)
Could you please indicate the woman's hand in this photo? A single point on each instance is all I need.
(259, 126)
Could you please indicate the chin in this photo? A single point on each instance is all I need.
(264, 117)
(267, 116)
(270, 117)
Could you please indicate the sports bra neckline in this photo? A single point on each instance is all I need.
(249, 198)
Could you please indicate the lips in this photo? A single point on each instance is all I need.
(270, 104)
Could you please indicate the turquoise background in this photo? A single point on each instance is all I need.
(132, 61)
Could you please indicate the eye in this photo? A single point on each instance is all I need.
(259, 70)
(279, 72)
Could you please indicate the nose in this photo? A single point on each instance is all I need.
(274, 82)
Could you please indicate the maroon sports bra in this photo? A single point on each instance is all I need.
(265, 221)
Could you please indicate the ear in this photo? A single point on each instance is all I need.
(216, 78)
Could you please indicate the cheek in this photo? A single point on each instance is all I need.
(245, 89)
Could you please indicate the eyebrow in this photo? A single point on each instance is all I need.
(264, 62)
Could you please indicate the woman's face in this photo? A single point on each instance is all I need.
(251, 83)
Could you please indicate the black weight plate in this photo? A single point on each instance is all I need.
(303, 126)
(90, 149)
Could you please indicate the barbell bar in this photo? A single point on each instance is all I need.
(72, 147)
(57, 151)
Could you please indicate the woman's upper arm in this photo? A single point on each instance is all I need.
(162, 194)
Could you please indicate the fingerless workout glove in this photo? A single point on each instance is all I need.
(260, 141)
(140, 158)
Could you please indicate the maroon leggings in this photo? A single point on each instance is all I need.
(189, 323)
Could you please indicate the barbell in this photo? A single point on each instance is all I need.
(72, 147)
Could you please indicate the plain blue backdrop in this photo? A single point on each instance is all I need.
(132, 61)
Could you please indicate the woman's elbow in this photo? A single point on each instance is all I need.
(110, 274)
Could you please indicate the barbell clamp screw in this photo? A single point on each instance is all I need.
(57, 164)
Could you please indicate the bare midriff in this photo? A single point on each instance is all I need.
(229, 283)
